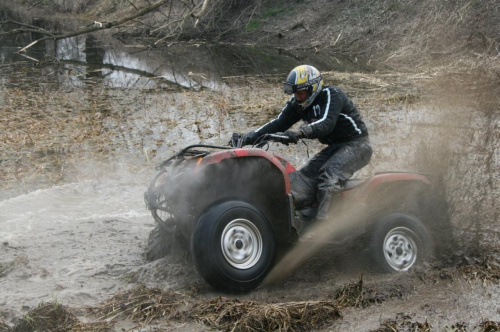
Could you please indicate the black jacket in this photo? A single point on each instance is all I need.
(331, 118)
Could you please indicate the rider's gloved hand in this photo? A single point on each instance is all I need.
(293, 135)
(250, 138)
(306, 130)
(233, 142)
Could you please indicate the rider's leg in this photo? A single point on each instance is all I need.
(346, 160)
(327, 199)
(312, 170)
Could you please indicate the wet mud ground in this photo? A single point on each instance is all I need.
(76, 157)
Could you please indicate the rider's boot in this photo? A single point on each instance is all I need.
(327, 200)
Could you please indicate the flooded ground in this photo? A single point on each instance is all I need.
(79, 141)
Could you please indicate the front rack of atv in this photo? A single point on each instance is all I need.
(191, 152)
(154, 199)
(235, 142)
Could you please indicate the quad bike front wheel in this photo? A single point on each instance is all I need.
(399, 242)
(233, 246)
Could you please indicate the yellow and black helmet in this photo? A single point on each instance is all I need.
(304, 77)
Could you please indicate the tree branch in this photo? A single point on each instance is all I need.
(22, 30)
(99, 26)
(201, 12)
(203, 9)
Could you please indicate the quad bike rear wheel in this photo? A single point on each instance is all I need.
(399, 243)
(233, 246)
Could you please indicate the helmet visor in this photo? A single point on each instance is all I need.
(289, 88)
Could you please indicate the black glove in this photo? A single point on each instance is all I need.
(293, 135)
(250, 138)
(233, 142)
(306, 130)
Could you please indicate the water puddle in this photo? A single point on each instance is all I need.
(54, 240)
(186, 65)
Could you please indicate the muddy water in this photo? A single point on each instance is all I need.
(54, 239)
(81, 136)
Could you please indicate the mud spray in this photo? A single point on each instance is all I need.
(344, 218)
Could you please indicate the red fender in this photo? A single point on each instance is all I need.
(284, 166)
(364, 190)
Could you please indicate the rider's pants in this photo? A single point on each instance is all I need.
(332, 166)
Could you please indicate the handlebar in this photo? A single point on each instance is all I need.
(264, 139)
(237, 140)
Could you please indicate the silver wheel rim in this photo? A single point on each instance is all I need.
(400, 248)
(241, 244)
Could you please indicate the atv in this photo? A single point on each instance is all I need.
(235, 208)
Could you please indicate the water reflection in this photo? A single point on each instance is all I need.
(68, 49)
(192, 66)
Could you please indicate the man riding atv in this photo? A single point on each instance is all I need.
(332, 118)
(234, 209)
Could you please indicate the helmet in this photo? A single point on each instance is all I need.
(304, 77)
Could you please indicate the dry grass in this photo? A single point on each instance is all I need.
(235, 315)
(403, 322)
(151, 306)
(55, 317)
(45, 129)
(144, 306)
(141, 305)
(4, 327)
(418, 34)
(359, 296)
(489, 326)
(50, 130)
(486, 271)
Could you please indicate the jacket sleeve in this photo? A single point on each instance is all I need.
(287, 118)
(329, 112)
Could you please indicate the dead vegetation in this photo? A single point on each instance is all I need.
(394, 34)
(141, 304)
(162, 21)
(145, 306)
(403, 322)
(148, 306)
(489, 326)
(236, 315)
(484, 270)
(54, 317)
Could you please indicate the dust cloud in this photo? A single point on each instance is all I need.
(316, 237)
(450, 138)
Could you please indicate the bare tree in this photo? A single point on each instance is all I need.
(177, 15)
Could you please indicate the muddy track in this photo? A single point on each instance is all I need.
(77, 154)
